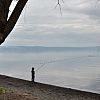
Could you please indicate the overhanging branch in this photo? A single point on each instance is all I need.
(12, 20)
(14, 17)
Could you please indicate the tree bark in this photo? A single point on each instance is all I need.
(4, 10)
(8, 27)
(14, 17)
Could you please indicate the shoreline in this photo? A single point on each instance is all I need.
(45, 91)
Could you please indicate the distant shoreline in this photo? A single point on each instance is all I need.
(39, 49)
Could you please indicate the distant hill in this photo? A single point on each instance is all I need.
(30, 49)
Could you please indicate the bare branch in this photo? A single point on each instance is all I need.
(59, 5)
(63, 1)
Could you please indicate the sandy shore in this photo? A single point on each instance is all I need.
(26, 90)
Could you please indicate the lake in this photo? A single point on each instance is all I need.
(75, 67)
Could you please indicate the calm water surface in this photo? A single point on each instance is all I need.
(79, 69)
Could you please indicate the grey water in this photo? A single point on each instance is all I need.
(71, 67)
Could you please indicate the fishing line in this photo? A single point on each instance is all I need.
(58, 60)
(40, 67)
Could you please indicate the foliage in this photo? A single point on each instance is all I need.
(2, 90)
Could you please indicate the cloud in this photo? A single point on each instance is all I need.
(42, 24)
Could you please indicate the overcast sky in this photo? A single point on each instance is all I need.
(41, 24)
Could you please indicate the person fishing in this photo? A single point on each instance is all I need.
(33, 74)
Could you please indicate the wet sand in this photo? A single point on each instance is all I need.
(41, 91)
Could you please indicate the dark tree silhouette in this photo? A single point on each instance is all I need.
(6, 26)
(4, 9)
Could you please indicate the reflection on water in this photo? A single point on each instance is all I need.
(78, 69)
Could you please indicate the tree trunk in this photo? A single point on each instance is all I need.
(4, 10)
(9, 25)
